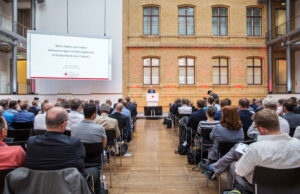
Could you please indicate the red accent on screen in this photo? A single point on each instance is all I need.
(66, 78)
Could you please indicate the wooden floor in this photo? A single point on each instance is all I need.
(154, 167)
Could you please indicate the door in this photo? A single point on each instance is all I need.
(281, 75)
(280, 22)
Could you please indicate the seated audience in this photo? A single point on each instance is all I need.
(97, 102)
(13, 107)
(290, 116)
(253, 104)
(9, 117)
(197, 116)
(175, 106)
(217, 104)
(119, 101)
(67, 105)
(210, 122)
(184, 109)
(279, 107)
(10, 156)
(245, 115)
(40, 119)
(210, 103)
(191, 104)
(270, 104)
(224, 102)
(258, 104)
(212, 94)
(122, 119)
(34, 109)
(229, 130)
(87, 131)
(297, 108)
(107, 122)
(131, 107)
(111, 109)
(75, 115)
(24, 116)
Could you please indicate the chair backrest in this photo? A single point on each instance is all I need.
(18, 143)
(67, 181)
(19, 134)
(39, 131)
(111, 135)
(93, 152)
(26, 125)
(276, 181)
(205, 134)
(67, 132)
(224, 147)
(3, 174)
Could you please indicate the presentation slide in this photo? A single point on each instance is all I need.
(68, 57)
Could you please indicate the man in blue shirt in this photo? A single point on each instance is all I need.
(127, 113)
(9, 117)
(24, 116)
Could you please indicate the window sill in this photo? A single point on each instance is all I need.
(150, 36)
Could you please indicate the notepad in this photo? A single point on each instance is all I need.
(242, 148)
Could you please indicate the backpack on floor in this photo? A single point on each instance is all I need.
(169, 123)
(192, 155)
(165, 121)
(123, 149)
(183, 148)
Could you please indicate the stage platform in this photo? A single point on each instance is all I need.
(141, 115)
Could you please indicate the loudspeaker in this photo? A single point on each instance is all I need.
(40, 1)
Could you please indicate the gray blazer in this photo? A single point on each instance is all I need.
(66, 181)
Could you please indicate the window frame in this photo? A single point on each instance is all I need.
(151, 67)
(219, 19)
(252, 17)
(151, 16)
(186, 17)
(253, 67)
(186, 67)
(219, 68)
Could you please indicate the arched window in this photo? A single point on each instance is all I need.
(151, 20)
(186, 67)
(220, 21)
(186, 21)
(254, 71)
(220, 71)
(151, 71)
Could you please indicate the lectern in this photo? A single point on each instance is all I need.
(152, 99)
(152, 110)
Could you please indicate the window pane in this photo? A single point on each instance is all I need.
(155, 62)
(215, 11)
(190, 71)
(257, 62)
(182, 75)
(154, 10)
(223, 26)
(182, 71)
(155, 75)
(181, 62)
(250, 71)
(257, 26)
(250, 62)
(182, 29)
(215, 75)
(257, 11)
(190, 80)
(190, 11)
(190, 62)
(190, 26)
(146, 25)
(249, 11)
(147, 76)
(223, 62)
(224, 71)
(223, 11)
(250, 80)
(147, 62)
(215, 26)
(257, 72)
(215, 62)
(257, 79)
(181, 79)
(147, 11)
(249, 26)
(147, 72)
(155, 80)
(181, 11)
(155, 26)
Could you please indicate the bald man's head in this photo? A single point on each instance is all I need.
(56, 119)
(119, 107)
(47, 106)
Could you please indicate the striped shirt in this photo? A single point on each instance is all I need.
(205, 124)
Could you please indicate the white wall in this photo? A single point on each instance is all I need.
(85, 17)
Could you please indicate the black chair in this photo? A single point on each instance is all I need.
(3, 174)
(223, 148)
(19, 134)
(276, 181)
(111, 144)
(39, 131)
(205, 142)
(19, 143)
(93, 154)
(67, 132)
(26, 125)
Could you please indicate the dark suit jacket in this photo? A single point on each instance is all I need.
(34, 110)
(174, 108)
(53, 151)
(245, 116)
(293, 119)
(297, 109)
(122, 119)
(132, 109)
(151, 91)
(195, 118)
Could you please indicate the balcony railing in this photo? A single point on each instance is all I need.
(280, 30)
(7, 23)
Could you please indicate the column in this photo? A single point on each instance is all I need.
(288, 48)
(14, 84)
(270, 56)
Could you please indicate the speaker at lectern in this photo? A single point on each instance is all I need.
(152, 99)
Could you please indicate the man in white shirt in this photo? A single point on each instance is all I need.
(271, 104)
(75, 115)
(272, 149)
(185, 109)
(40, 119)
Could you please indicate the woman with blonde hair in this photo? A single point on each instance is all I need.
(229, 130)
